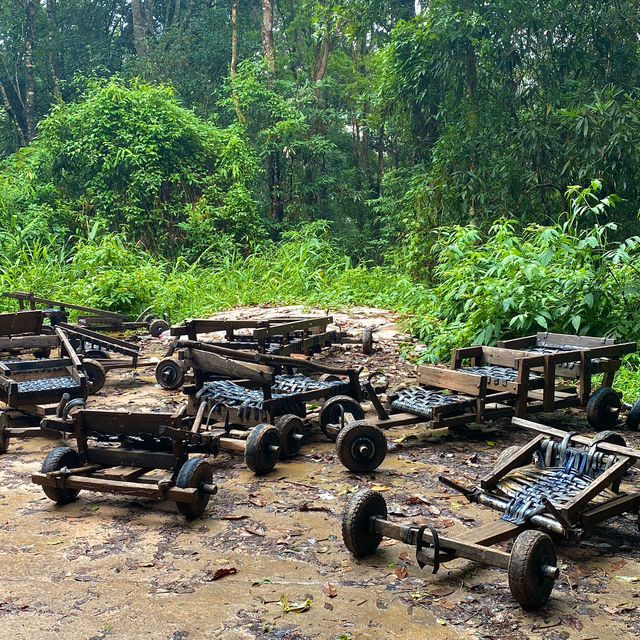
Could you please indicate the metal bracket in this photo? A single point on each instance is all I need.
(436, 547)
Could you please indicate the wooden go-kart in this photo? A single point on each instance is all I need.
(138, 454)
(91, 318)
(580, 358)
(31, 389)
(97, 351)
(23, 333)
(280, 336)
(236, 391)
(559, 483)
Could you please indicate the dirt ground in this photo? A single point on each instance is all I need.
(117, 567)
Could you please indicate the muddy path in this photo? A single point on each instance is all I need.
(117, 567)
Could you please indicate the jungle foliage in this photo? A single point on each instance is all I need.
(201, 154)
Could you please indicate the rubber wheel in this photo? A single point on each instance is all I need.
(367, 341)
(263, 448)
(149, 318)
(42, 353)
(96, 375)
(4, 441)
(505, 455)
(170, 373)
(356, 527)
(333, 410)
(60, 458)
(633, 418)
(193, 474)
(361, 446)
(612, 437)
(157, 327)
(291, 429)
(329, 377)
(96, 354)
(600, 414)
(529, 586)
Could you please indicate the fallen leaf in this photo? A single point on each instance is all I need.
(574, 622)
(401, 572)
(380, 487)
(294, 607)
(447, 604)
(223, 572)
(628, 578)
(329, 590)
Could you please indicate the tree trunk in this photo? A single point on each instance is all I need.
(12, 114)
(234, 58)
(266, 32)
(138, 29)
(149, 10)
(53, 49)
(380, 158)
(322, 57)
(29, 83)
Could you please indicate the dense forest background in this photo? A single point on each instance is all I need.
(473, 164)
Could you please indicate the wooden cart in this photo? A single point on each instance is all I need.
(97, 351)
(574, 485)
(579, 358)
(281, 336)
(490, 383)
(22, 333)
(235, 391)
(91, 318)
(31, 389)
(151, 459)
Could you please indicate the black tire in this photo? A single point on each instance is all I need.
(367, 341)
(329, 377)
(59, 458)
(157, 327)
(193, 474)
(633, 417)
(170, 373)
(612, 437)
(150, 317)
(96, 354)
(603, 408)
(356, 519)
(263, 448)
(505, 455)
(96, 375)
(531, 551)
(361, 446)
(4, 441)
(42, 353)
(333, 410)
(291, 429)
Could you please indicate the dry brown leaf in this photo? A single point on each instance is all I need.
(329, 590)
(401, 572)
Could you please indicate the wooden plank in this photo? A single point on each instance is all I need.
(66, 345)
(600, 513)
(462, 549)
(492, 533)
(125, 422)
(123, 473)
(28, 342)
(108, 343)
(584, 440)
(523, 455)
(452, 380)
(580, 501)
(121, 457)
(281, 328)
(20, 323)
(103, 485)
(212, 362)
(518, 343)
(31, 297)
